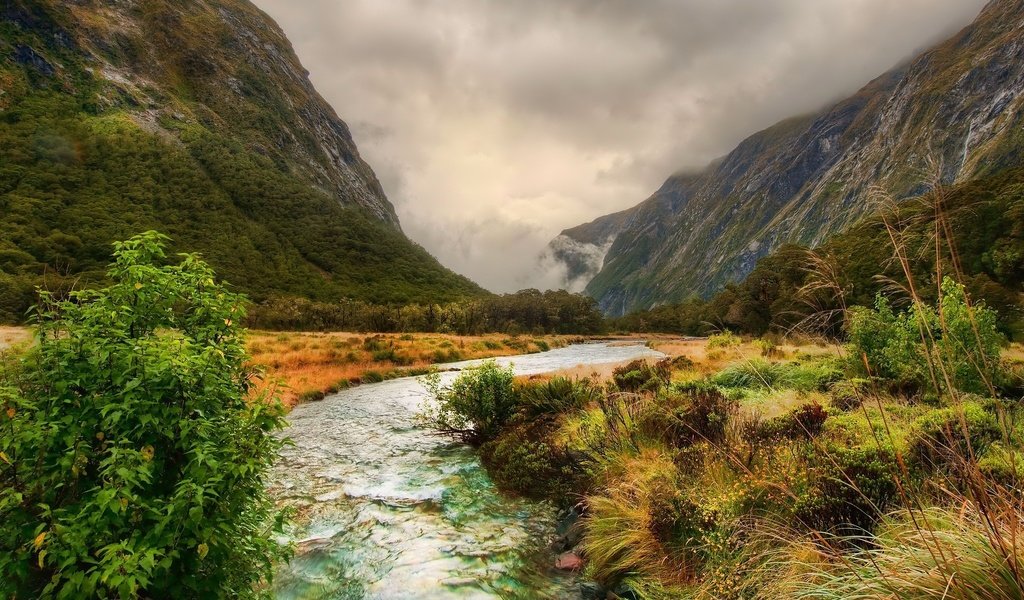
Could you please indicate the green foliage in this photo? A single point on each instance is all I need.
(641, 376)
(475, 407)
(549, 312)
(522, 461)
(954, 348)
(852, 488)
(944, 439)
(133, 463)
(684, 418)
(804, 422)
(556, 396)
(848, 394)
(726, 339)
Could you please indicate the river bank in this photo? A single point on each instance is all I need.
(304, 366)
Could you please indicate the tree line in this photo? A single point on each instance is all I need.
(527, 311)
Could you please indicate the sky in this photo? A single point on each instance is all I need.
(495, 124)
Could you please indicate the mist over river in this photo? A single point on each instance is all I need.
(386, 510)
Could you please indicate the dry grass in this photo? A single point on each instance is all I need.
(711, 360)
(12, 336)
(300, 365)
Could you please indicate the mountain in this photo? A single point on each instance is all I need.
(195, 118)
(958, 105)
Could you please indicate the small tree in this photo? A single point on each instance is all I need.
(477, 404)
(132, 463)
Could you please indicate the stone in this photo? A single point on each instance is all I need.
(569, 561)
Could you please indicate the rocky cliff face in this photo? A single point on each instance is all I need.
(959, 105)
(220, 63)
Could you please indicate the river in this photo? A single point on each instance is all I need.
(384, 510)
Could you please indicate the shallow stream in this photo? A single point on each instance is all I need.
(387, 511)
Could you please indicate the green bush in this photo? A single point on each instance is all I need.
(804, 422)
(642, 376)
(726, 339)
(476, 406)
(937, 440)
(848, 395)
(957, 348)
(686, 418)
(851, 490)
(521, 461)
(133, 464)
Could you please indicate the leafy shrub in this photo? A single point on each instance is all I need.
(133, 464)
(1003, 466)
(848, 395)
(690, 417)
(521, 461)
(767, 348)
(959, 349)
(726, 339)
(682, 362)
(803, 422)
(641, 376)
(542, 345)
(476, 406)
(937, 439)
(851, 490)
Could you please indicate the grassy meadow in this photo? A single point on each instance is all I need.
(302, 366)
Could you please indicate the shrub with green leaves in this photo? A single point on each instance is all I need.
(946, 438)
(642, 376)
(852, 488)
(725, 339)
(956, 346)
(475, 407)
(132, 463)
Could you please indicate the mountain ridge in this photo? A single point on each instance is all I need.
(194, 118)
(807, 178)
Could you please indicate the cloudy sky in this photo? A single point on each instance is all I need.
(495, 124)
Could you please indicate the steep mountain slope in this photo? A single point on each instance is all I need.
(196, 118)
(807, 178)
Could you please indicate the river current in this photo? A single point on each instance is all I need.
(384, 510)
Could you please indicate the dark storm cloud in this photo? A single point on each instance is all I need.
(494, 124)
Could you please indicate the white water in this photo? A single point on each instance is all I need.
(388, 511)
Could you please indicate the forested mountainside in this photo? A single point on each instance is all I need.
(195, 118)
(953, 113)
